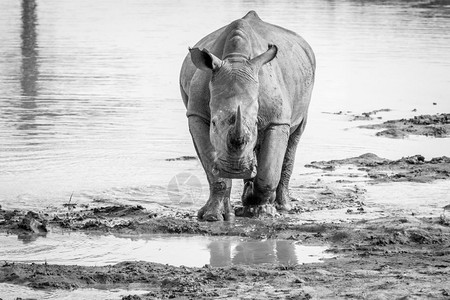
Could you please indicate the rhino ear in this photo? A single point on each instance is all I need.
(265, 57)
(205, 60)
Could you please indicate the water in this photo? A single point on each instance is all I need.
(99, 250)
(12, 292)
(90, 104)
(410, 196)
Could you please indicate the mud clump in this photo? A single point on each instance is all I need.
(428, 125)
(412, 168)
(118, 210)
(32, 222)
(364, 160)
(432, 4)
(23, 223)
(365, 116)
(131, 297)
(392, 133)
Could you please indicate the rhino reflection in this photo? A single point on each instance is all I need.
(220, 252)
(29, 238)
(29, 69)
(224, 253)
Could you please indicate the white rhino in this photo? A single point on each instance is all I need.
(247, 88)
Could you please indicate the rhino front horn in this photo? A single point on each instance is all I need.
(238, 123)
(236, 136)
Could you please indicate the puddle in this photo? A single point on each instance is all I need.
(191, 251)
(13, 292)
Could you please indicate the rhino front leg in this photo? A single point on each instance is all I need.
(283, 197)
(218, 206)
(262, 190)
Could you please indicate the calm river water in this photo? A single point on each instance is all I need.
(90, 104)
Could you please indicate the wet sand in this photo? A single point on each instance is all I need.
(394, 255)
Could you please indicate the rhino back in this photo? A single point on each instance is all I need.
(285, 83)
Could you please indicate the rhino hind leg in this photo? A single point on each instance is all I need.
(282, 200)
(218, 206)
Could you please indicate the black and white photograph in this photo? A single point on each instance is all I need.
(239, 149)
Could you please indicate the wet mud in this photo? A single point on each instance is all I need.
(390, 257)
(426, 125)
(396, 255)
(411, 169)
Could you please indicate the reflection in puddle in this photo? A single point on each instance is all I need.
(190, 251)
(232, 252)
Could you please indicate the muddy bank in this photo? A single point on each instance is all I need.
(437, 125)
(412, 168)
(136, 221)
(378, 256)
(311, 197)
(427, 125)
(393, 257)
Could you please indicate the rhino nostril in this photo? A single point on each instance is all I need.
(237, 142)
(232, 120)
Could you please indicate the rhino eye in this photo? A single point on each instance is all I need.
(213, 122)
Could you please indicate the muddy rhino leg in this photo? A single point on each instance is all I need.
(218, 206)
(282, 200)
(262, 189)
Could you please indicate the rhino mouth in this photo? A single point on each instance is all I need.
(237, 170)
(246, 174)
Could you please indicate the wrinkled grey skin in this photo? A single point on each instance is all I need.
(247, 88)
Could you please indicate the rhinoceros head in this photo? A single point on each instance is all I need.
(234, 107)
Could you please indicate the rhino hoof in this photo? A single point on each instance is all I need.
(255, 211)
(285, 207)
(215, 215)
